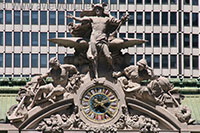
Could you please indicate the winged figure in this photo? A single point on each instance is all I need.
(95, 36)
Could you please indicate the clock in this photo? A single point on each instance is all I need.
(99, 104)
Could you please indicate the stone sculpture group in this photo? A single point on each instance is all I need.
(98, 66)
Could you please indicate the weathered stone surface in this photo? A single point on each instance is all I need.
(97, 90)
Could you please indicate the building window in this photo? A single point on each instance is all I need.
(148, 38)
(61, 58)
(148, 59)
(25, 17)
(165, 40)
(34, 17)
(132, 61)
(186, 40)
(173, 1)
(139, 18)
(43, 17)
(8, 38)
(34, 38)
(156, 39)
(34, 1)
(17, 17)
(52, 18)
(131, 18)
(156, 19)
(164, 18)
(43, 60)
(25, 60)
(1, 60)
(96, 1)
(25, 1)
(77, 13)
(8, 60)
(105, 1)
(69, 35)
(147, 1)
(113, 1)
(16, 60)
(121, 14)
(69, 20)
(122, 35)
(139, 1)
(195, 41)
(186, 61)
(130, 1)
(156, 1)
(8, 17)
(61, 1)
(173, 18)
(1, 38)
(165, 61)
(52, 1)
(139, 57)
(186, 19)
(17, 38)
(16, 1)
(139, 36)
(173, 40)
(195, 19)
(87, 1)
(164, 1)
(173, 62)
(156, 61)
(1, 17)
(186, 1)
(8, 1)
(51, 56)
(34, 60)
(61, 18)
(130, 35)
(69, 1)
(25, 39)
(43, 39)
(78, 1)
(147, 18)
(52, 35)
(61, 34)
(195, 62)
(195, 2)
(43, 1)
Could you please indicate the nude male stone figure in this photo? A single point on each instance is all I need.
(60, 75)
(99, 36)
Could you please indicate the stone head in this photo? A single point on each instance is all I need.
(99, 9)
(54, 63)
(142, 64)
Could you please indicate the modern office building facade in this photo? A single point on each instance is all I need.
(171, 27)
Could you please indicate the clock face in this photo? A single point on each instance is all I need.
(99, 104)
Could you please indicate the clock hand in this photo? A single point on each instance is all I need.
(108, 111)
(97, 103)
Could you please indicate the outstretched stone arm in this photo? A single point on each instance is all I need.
(44, 76)
(71, 68)
(78, 18)
(118, 22)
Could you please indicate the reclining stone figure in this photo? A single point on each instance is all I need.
(60, 75)
(137, 73)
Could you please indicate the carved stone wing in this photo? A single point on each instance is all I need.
(81, 44)
(120, 43)
(78, 43)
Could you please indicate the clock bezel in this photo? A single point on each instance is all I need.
(114, 87)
